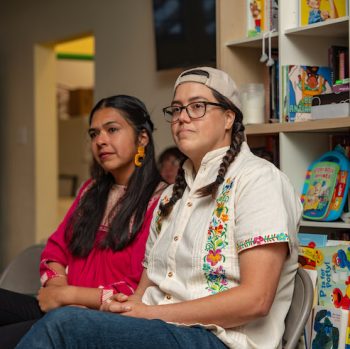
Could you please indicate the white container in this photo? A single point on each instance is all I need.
(253, 103)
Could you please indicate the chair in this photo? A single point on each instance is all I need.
(299, 310)
(22, 273)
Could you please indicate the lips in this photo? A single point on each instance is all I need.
(183, 132)
(104, 155)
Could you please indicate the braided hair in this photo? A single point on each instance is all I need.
(237, 138)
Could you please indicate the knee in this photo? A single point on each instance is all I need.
(62, 315)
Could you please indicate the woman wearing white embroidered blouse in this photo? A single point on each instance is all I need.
(222, 253)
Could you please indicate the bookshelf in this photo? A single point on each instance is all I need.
(302, 142)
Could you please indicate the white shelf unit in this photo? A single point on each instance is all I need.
(302, 142)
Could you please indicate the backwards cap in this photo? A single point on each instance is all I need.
(216, 79)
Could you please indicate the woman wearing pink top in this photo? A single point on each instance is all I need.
(99, 247)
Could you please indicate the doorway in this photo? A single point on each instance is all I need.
(75, 72)
(61, 152)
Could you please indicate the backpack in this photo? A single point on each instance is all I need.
(326, 186)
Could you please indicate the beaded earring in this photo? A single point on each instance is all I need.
(139, 156)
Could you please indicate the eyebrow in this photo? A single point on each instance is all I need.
(104, 125)
(192, 99)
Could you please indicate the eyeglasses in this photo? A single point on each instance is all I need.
(194, 110)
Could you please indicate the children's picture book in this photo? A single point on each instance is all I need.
(330, 328)
(302, 84)
(318, 240)
(333, 276)
(315, 11)
(256, 15)
(262, 15)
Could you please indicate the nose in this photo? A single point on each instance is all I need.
(101, 139)
(184, 117)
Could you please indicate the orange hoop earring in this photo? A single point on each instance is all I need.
(140, 155)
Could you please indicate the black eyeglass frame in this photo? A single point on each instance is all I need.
(186, 106)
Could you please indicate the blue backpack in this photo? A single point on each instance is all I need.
(326, 186)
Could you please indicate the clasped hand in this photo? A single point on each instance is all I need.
(126, 305)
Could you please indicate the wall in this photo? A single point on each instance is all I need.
(125, 63)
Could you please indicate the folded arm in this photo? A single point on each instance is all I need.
(260, 269)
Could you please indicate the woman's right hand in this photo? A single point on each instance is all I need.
(121, 299)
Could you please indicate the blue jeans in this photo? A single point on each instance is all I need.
(71, 327)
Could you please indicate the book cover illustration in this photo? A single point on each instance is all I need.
(305, 82)
(256, 14)
(330, 328)
(333, 273)
(318, 189)
(318, 240)
(315, 11)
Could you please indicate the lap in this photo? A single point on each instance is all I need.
(71, 327)
(16, 307)
(10, 335)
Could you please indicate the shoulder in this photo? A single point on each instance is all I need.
(85, 187)
(254, 171)
(248, 164)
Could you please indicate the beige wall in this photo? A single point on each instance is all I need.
(125, 63)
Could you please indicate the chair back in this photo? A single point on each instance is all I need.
(299, 310)
(22, 273)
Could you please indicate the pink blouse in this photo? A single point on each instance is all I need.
(120, 270)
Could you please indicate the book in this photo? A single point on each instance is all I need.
(330, 111)
(262, 15)
(337, 88)
(308, 326)
(315, 11)
(301, 84)
(330, 105)
(333, 276)
(256, 15)
(330, 328)
(337, 58)
(317, 240)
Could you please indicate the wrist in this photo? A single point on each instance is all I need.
(67, 295)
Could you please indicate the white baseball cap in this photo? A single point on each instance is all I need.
(216, 79)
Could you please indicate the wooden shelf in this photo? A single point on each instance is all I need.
(255, 42)
(336, 225)
(325, 125)
(338, 27)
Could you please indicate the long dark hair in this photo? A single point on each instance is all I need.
(128, 213)
(237, 138)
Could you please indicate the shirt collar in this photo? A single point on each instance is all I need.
(209, 166)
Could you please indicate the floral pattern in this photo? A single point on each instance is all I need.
(217, 241)
(262, 240)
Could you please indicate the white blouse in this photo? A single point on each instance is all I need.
(193, 253)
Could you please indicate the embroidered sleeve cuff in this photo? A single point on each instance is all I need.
(259, 240)
(47, 273)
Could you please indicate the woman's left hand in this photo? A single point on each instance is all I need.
(51, 297)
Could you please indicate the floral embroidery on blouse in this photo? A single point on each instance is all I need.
(216, 243)
(262, 240)
(159, 218)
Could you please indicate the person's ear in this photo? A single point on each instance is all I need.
(143, 138)
(229, 119)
